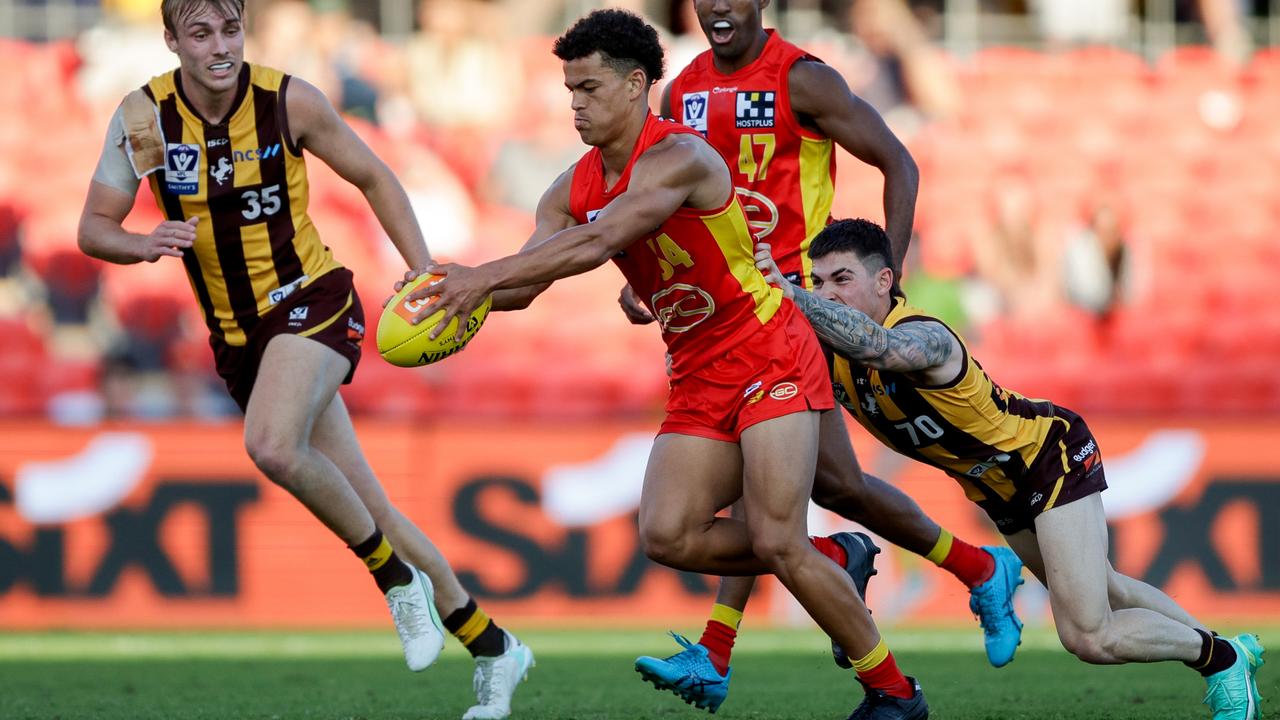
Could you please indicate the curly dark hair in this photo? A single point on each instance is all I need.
(624, 41)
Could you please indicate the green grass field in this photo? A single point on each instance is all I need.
(580, 674)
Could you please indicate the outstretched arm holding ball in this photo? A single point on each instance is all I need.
(675, 172)
(553, 216)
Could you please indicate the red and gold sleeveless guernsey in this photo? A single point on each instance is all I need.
(740, 354)
(785, 174)
(695, 272)
(247, 182)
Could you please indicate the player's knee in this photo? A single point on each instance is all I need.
(776, 548)
(275, 458)
(1090, 645)
(664, 542)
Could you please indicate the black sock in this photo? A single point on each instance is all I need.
(388, 569)
(1216, 655)
(477, 633)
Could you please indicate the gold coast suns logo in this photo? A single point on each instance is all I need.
(762, 214)
(680, 307)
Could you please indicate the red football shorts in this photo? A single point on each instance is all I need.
(778, 371)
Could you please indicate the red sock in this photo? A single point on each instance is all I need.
(887, 678)
(831, 549)
(972, 565)
(718, 640)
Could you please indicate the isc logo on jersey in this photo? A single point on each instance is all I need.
(695, 111)
(754, 109)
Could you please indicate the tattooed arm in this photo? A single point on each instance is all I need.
(924, 348)
(912, 347)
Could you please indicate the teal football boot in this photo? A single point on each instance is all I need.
(1233, 693)
(992, 602)
(689, 674)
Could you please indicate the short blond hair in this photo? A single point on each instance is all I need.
(175, 11)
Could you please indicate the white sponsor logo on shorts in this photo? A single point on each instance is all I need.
(1085, 451)
(284, 291)
(784, 391)
(754, 387)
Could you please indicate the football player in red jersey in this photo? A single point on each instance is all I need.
(748, 377)
(775, 113)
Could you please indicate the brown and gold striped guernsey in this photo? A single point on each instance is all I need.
(247, 182)
(986, 437)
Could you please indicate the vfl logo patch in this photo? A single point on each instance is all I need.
(841, 395)
(981, 468)
(181, 168)
(222, 171)
(754, 387)
(695, 110)
(754, 109)
(285, 291)
(298, 313)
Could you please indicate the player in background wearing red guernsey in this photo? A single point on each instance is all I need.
(775, 113)
(748, 376)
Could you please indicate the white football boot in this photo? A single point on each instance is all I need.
(413, 609)
(496, 679)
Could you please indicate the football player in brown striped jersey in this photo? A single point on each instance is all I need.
(221, 143)
(1034, 467)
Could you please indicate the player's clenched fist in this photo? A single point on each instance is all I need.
(169, 238)
(766, 265)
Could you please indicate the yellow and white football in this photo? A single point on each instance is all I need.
(404, 344)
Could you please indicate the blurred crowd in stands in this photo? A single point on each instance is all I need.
(1105, 229)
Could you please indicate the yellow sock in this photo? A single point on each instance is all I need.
(378, 557)
(941, 549)
(726, 615)
(873, 658)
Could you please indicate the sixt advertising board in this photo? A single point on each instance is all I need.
(171, 526)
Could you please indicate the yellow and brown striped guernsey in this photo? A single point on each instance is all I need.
(246, 180)
(984, 436)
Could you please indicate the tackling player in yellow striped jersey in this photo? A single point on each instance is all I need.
(1033, 467)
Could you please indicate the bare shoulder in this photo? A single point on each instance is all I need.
(811, 85)
(556, 196)
(306, 106)
(684, 156)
